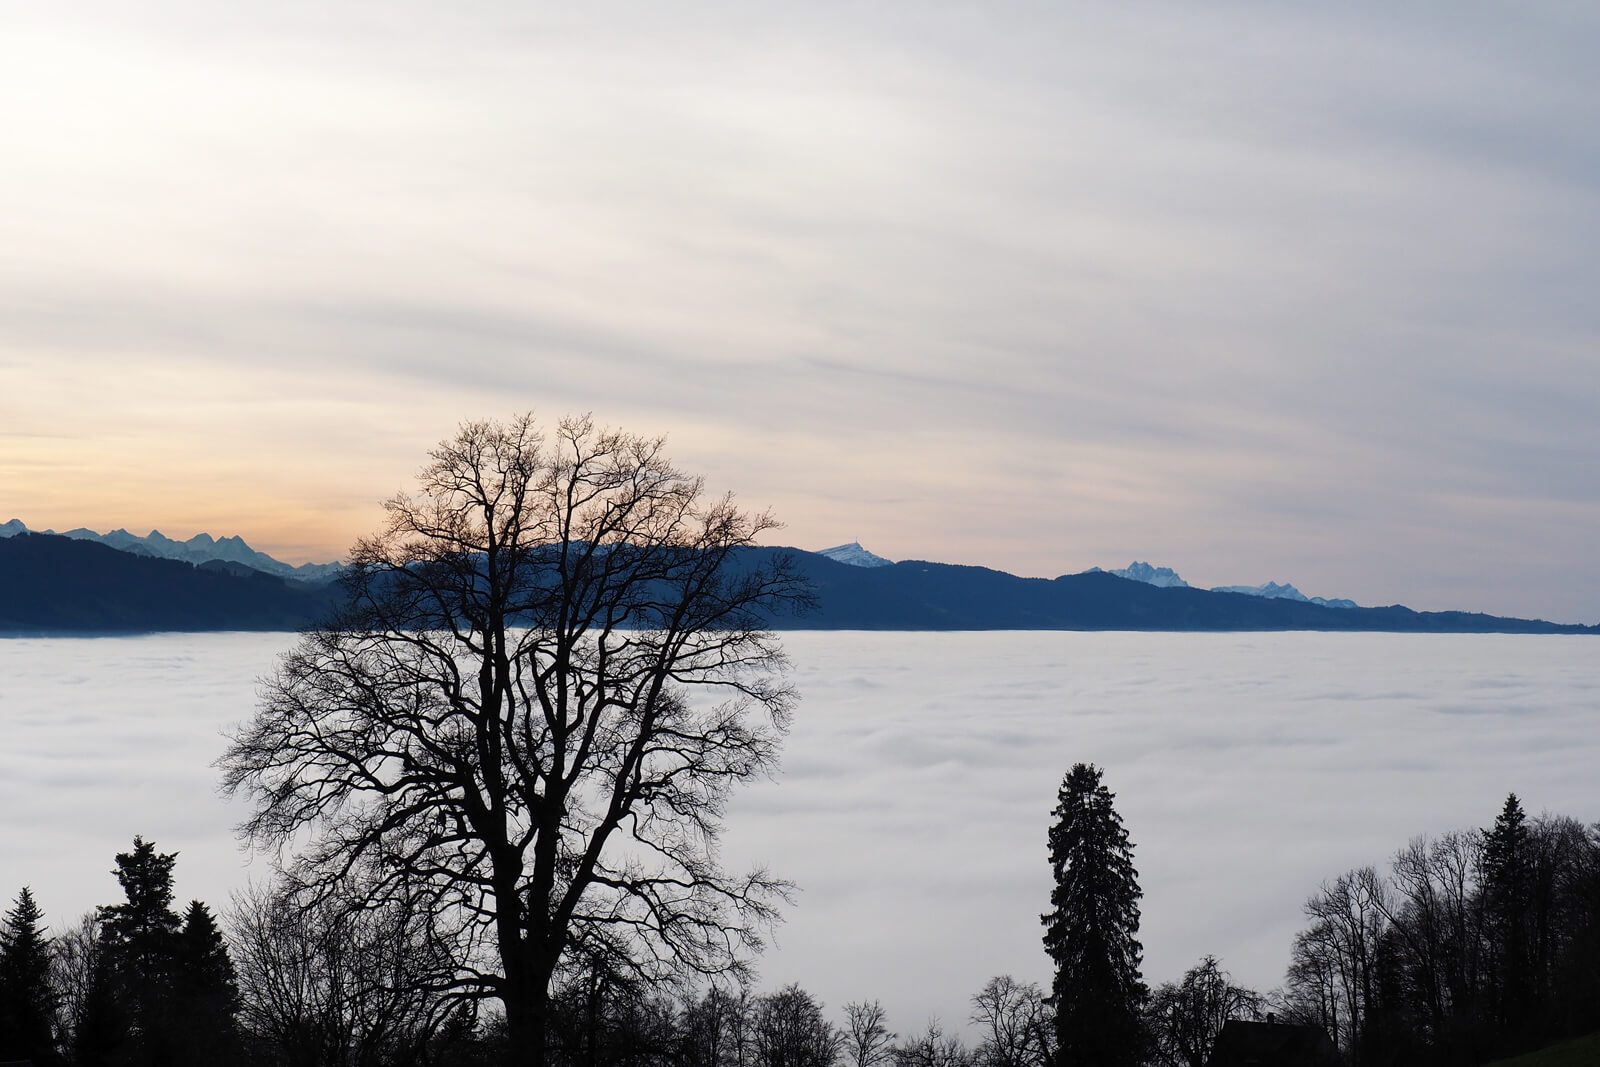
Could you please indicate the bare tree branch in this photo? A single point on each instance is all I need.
(552, 670)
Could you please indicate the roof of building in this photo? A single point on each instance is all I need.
(1273, 1044)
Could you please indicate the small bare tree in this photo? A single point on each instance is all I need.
(714, 1031)
(867, 1038)
(552, 669)
(332, 985)
(932, 1048)
(787, 1030)
(78, 961)
(1014, 1023)
(1185, 1017)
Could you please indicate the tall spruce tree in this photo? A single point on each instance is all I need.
(205, 993)
(27, 999)
(139, 939)
(1091, 931)
(1507, 863)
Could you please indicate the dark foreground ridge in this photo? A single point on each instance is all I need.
(57, 585)
(917, 595)
(51, 584)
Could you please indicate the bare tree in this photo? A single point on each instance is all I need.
(932, 1048)
(77, 955)
(867, 1039)
(331, 985)
(552, 670)
(1334, 970)
(715, 1030)
(1015, 1024)
(787, 1030)
(1186, 1016)
(1439, 927)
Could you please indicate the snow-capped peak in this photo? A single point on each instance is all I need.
(1165, 577)
(855, 556)
(1270, 590)
(1274, 591)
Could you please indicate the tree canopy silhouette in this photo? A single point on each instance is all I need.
(1092, 929)
(552, 669)
(28, 1000)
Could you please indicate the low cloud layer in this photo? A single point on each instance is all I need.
(917, 782)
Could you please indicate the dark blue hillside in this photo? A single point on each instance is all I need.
(58, 585)
(917, 595)
(51, 584)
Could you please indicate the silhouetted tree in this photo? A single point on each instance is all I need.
(139, 939)
(552, 669)
(787, 1030)
(603, 1014)
(1575, 932)
(28, 999)
(1334, 969)
(205, 995)
(714, 1031)
(102, 1025)
(1186, 1016)
(1013, 1023)
(1437, 924)
(329, 983)
(866, 1039)
(1092, 930)
(466, 1040)
(1481, 943)
(1508, 886)
(932, 1048)
(93, 1028)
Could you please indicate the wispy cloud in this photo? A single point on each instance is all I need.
(1268, 277)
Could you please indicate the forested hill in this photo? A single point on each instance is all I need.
(917, 595)
(56, 585)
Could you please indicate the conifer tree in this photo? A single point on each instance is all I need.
(1507, 865)
(27, 1000)
(139, 939)
(205, 994)
(1091, 931)
(139, 934)
(103, 1036)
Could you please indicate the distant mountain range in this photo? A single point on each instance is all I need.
(61, 584)
(919, 595)
(1161, 577)
(201, 548)
(1167, 578)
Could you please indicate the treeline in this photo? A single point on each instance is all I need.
(335, 983)
(1476, 944)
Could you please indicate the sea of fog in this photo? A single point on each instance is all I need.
(917, 781)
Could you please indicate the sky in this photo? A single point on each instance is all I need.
(1259, 292)
(912, 803)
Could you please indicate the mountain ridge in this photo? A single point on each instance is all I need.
(198, 549)
(51, 583)
(919, 595)
(1166, 577)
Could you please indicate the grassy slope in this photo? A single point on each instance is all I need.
(1582, 1052)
